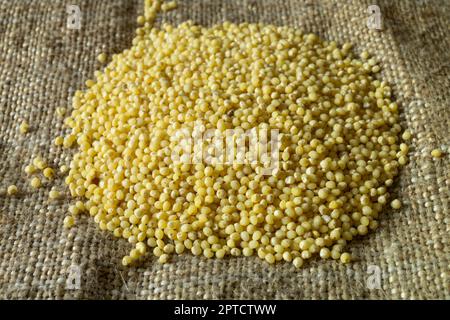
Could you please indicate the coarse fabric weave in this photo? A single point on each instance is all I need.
(43, 62)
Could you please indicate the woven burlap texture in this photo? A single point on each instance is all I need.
(42, 63)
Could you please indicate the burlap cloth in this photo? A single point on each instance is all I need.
(42, 62)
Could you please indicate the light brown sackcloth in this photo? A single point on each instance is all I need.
(42, 62)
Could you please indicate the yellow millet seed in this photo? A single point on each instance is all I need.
(140, 20)
(436, 153)
(36, 182)
(102, 57)
(48, 173)
(345, 257)
(126, 261)
(12, 190)
(24, 127)
(63, 169)
(164, 258)
(298, 262)
(364, 55)
(325, 253)
(69, 222)
(140, 246)
(167, 6)
(61, 111)
(39, 163)
(30, 169)
(69, 141)
(146, 171)
(396, 204)
(270, 258)
(59, 141)
(54, 194)
(406, 135)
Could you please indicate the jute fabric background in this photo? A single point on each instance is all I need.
(42, 63)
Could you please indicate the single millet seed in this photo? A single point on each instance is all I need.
(406, 135)
(436, 153)
(36, 183)
(167, 6)
(61, 111)
(127, 260)
(69, 222)
(396, 204)
(54, 194)
(346, 257)
(164, 258)
(48, 173)
(102, 57)
(298, 262)
(24, 127)
(140, 20)
(30, 169)
(59, 141)
(12, 190)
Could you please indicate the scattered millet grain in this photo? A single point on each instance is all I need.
(24, 127)
(49, 173)
(167, 6)
(63, 169)
(325, 253)
(30, 169)
(69, 140)
(346, 257)
(36, 182)
(163, 258)
(339, 145)
(12, 190)
(298, 262)
(54, 194)
(61, 111)
(59, 141)
(69, 221)
(406, 135)
(140, 20)
(436, 153)
(102, 57)
(396, 204)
